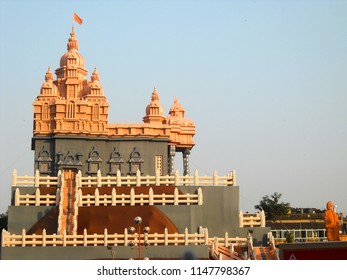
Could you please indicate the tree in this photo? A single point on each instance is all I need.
(273, 208)
(3, 221)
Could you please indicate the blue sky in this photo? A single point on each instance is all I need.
(264, 81)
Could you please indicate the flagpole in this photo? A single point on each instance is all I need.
(73, 20)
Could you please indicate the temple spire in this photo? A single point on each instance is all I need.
(154, 110)
(49, 75)
(73, 41)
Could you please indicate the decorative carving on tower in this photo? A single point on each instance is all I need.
(182, 129)
(70, 160)
(71, 104)
(154, 111)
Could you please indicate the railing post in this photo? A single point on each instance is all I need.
(37, 197)
(132, 197)
(4, 233)
(75, 216)
(59, 183)
(231, 248)
(126, 237)
(262, 218)
(64, 238)
(151, 198)
(226, 239)
(96, 195)
(200, 198)
(114, 199)
(166, 238)
(23, 237)
(14, 177)
(215, 178)
(234, 177)
(44, 237)
(177, 178)
(85, 237)
(241, 219)
(206, 236)
(186, 236)
(57, 197)
(216, 242)
(16, 197)
(98, 178)
(37, 178)
(80, 198)
(196, 177)
(176, 196)
(77, 179)
(157, 177)
(105, 237)
(138, 178)
(119, 179)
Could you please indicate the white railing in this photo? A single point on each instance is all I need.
(156, 180)
(37, 180)
(36, 199)
(138, 180)
(252, 220)
(113, 199)
(115, 239)
(138, 199)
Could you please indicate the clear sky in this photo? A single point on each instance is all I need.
(264, 81)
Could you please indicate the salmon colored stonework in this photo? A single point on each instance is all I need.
(331, 223)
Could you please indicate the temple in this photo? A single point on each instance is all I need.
(110, 190)
(71, 127)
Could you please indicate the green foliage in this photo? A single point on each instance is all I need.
(289, 237)
(3, 221)
(273, 208)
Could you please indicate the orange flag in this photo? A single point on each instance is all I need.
(77, 18)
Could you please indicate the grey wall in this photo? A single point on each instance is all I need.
(219, 212)
(24, 217)
(148, 148)
(101, 252)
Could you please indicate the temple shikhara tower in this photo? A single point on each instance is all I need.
(74, 108)
(106, 190)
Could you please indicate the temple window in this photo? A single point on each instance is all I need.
(95, 112)
(43, 167)
(70, 110)
(44, 161)
(135, 162)
(45, 111)
(94, 161)
(115, 162)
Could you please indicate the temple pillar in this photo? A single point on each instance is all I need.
(186, 154)
(171, 163)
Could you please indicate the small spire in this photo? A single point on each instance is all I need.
(73, 42)
(95, 75)
(49, 75)
(155, 95)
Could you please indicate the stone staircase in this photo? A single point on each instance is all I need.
(264, 253)
(68, 199)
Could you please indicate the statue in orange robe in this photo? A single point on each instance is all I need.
(331, 223)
